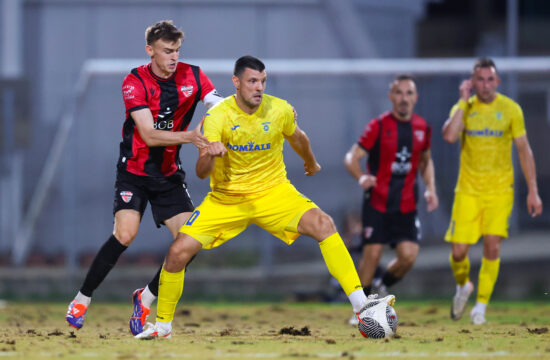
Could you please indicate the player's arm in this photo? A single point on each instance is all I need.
(454, 125)
(427, 171)
(301, 145)
(353, 165)
(211, 99)
(527, 161)
(153, 137)
(207, 158)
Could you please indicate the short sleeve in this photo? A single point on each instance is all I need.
(206, 84)
(370, 135)
(213, 125)
(517, 123)
(133, 94)
(453, 110)
(289, 122)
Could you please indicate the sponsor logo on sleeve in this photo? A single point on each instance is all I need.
(128, 92)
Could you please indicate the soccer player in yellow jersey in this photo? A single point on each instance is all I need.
(486, 123)
(244, 160)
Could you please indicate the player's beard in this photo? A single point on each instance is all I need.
(403, 110)
(251, 104)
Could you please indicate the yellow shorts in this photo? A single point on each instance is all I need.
(221, 217)
(474, 216)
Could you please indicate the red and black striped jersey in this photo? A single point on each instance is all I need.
(172, 103)
(394, 150)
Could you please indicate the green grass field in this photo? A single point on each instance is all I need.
(252, 331)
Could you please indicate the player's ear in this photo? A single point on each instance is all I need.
(236, 81)
(149, 50)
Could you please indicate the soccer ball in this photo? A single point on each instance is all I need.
(378, 320)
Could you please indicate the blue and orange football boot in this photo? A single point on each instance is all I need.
(140, 314)
(75, 314)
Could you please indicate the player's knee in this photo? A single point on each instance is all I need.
(372, 253)
(181, 252)
(325, 224)
(492, 253)
(125, 237)
(459, 256)
(407, 260)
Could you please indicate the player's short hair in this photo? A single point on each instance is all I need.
(164, 30)
(484, 62)
(247, 61)
(401, 77)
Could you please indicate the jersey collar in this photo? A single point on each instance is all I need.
(150, 69)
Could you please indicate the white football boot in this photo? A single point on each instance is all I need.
(153, 331)
(460, 299)
(477, 315)
(478, 318)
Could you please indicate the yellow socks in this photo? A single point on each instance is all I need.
(461, 270)
(488, 275)
(339, 263)
(170, 289)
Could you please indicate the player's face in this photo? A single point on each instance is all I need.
(485, 81)
(164, 57)
(250, 86)
(403, 96)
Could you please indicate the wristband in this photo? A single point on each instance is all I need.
(463, 105)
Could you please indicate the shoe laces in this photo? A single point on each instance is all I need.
(143, 314)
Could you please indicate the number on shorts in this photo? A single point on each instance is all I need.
(193, 217)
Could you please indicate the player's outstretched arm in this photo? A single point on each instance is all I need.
(427, 170)
(353, 156)
(153, 137)
(300, 144)
(207, 158)
(527, 161)
(454, 125)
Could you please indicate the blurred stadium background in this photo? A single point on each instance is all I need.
(61, 67)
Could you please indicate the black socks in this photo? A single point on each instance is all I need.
(104, 261)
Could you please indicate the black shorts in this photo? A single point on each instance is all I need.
(389, 228)
(168, 196)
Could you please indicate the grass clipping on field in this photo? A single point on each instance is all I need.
(305, 330)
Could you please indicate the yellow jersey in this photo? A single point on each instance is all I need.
(486, 145)
(254, 159)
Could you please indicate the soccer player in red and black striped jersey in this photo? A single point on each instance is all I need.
(398, 147)
(160, 100)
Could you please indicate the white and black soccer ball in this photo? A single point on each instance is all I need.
(377, 320)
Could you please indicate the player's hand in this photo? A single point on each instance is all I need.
(432, 200)
(312, 169)
(534, 204)
(199, 140)
(367, 181)
(216, 148)
(465, 89)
